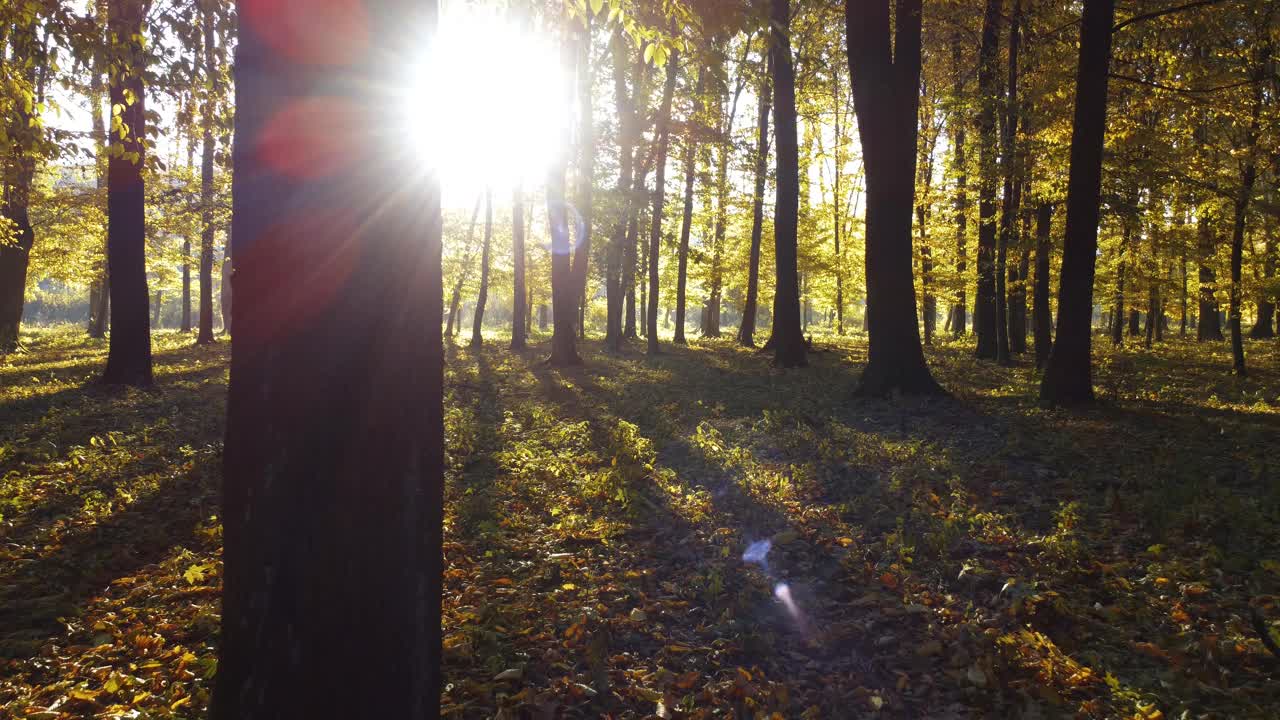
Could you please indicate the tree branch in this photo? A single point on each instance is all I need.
(1160, 13)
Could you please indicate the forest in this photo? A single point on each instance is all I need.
(676, 359)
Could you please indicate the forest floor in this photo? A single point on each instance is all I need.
(970, 557)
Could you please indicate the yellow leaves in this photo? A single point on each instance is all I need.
(197, 573)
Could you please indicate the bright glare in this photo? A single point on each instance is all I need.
(492, 105)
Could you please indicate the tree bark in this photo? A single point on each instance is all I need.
(986, 312)
(1264, 327)
(477, 318)
(1248, 176)
(788, 341)
(1009, 210)
(129, 353)
(99, 293)
(764, 99)
(333, 466)
(886, 81)
(1068, 377)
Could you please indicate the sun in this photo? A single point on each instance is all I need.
(489, 103)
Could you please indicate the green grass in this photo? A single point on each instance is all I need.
(973, 556)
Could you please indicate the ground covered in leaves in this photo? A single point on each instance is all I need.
(699, 536)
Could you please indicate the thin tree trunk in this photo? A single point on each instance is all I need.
(1068, 377)
(99, 294)
(959, 119)
(212, 78)
(764, 99)
(477, 319)
(586, 172)
(186, 246)
(1009, 212)
(465, 272)
(1248, 175)
(129, 353)
(986, 317)
(659, 197)
(519, 311)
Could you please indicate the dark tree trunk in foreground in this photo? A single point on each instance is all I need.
(564, 292)
(764, 98)
(959, 120)
(787, 338)
(885, 82)
(477, 318)
(659, 197)
(129, 356)
(985, 314)
(186, 251)
(519, 309)
(1068, 377)
(333, 468)
(1209, 327)
(1040, 317)
(686, 218)
(205, 335)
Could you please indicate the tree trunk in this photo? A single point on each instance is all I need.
(586, 174)
(16, 256)
(333, 467)
(1248, 175)
(959, 118)
(886, 98)
(1118, 312)
(1264, 327)
(519, 311)
(477, 318)
(156, 307)
(1009, 210)
(1209, 327)
(1041, 319)
(129, 353)
(99, 294)
(465, 272)
(1068, 377)
(788, 340)
(986, 313)
(764, 98)
(212, 76)
(631, 258)
(564, 292)
(627, 122)
(186, 248)
(659, 197)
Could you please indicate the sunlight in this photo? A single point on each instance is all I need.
(491, 107)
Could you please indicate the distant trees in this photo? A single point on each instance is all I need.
(333, 467)
(477, 320)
